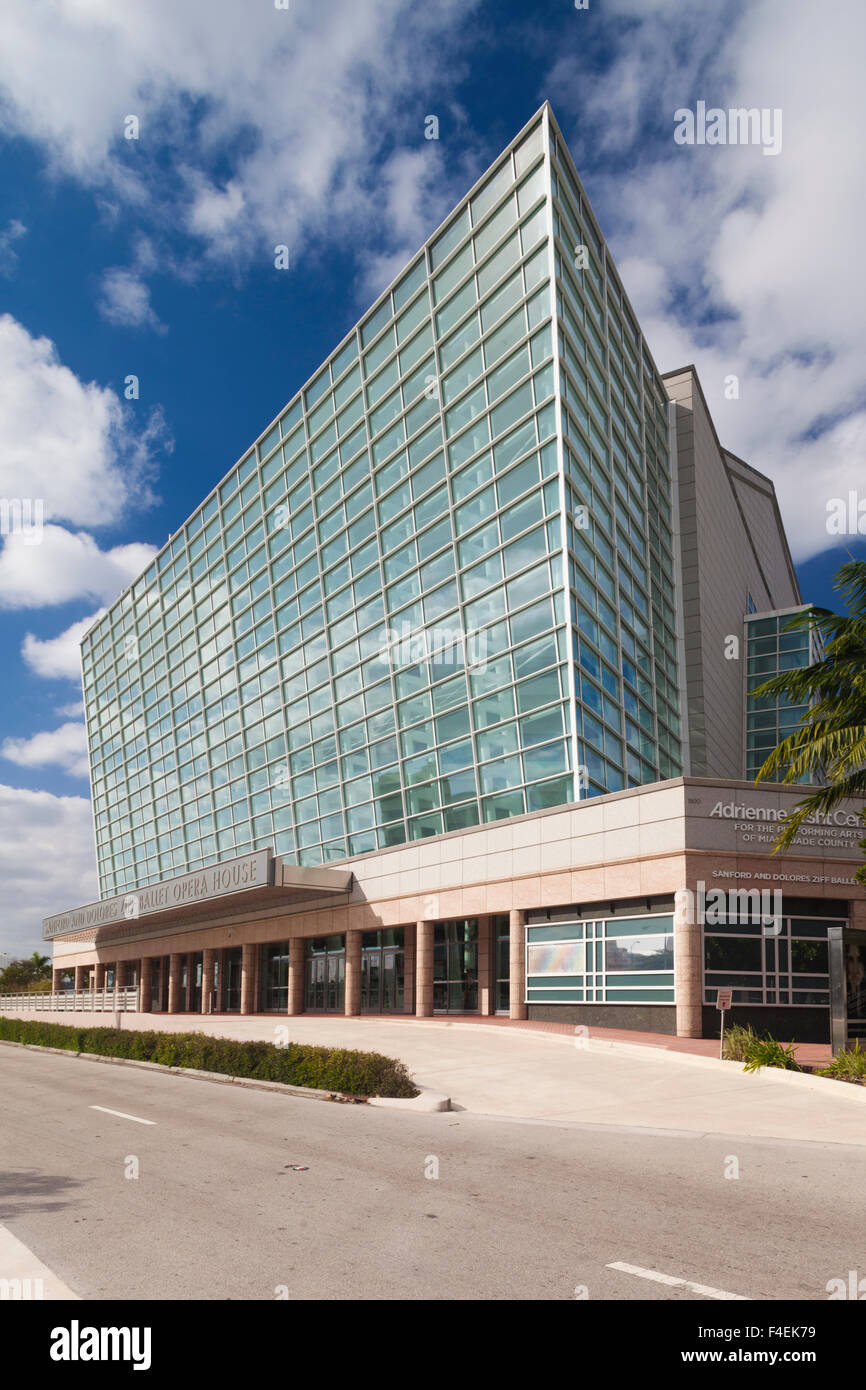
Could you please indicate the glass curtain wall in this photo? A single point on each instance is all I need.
(365, 634)
(360, 637)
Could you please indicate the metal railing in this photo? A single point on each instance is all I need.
(99, 1001)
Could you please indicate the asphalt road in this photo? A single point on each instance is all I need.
(248, 1195)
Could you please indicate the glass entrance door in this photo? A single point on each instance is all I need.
(196, 973)
(382, 960)
(325, 974)
(232, 997)
(316, 983)
(455, 966)
(371, 981)
(392, 980)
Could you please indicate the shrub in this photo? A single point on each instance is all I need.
(737, 1041)
(767, 1052)
(848, 1065)
(297, 1064)
(742, 1044)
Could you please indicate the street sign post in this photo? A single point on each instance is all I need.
(723, 1003)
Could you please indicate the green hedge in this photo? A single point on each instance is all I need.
(296, 1064)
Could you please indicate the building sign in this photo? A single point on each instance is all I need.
(751, 822)
(232, 876)
(839, 829)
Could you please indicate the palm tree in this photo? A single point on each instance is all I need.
(829, 748)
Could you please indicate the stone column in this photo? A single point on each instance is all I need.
(424, 970)
(688, 970)
(100, 974)
(56, 981)
(486, 985)
(174, 979)
(81, 972)
(353, 974)
(208, 958)
(517, 990)
(296, 974)
(248, 978)
(145, 968)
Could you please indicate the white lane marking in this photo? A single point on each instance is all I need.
(122, 1115)
(23, 1277)
(658, 1278)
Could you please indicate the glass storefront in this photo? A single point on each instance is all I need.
(382, 966)
(275, 977)
(196, 971)
(325, 974)
(786, 965)
(232, 995)
(455, 966)
(159, 984)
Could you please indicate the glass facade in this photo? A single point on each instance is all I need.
(618, 511)
(614, 960)
(785, 967)
(435, 587)
(770, 650)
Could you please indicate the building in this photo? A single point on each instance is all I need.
(416, 711)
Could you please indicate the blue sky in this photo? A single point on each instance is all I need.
(305, 126)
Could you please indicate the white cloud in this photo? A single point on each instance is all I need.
(125, 300)
(73, 445)
(298, 104)
(66, 565)
(47, 863)
(59, 657)
(64, 747)
(743, 264)
(73, 711)
(410, 188)
(12, 232)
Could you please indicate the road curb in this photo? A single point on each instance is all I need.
(777, 1074)
(428, 1103)
(250, 1082)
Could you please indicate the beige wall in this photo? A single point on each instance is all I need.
(732, 544)
(628, 844)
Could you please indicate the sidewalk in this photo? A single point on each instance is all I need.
(543, 1072)
(807, 1054)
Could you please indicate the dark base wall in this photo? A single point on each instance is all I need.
(637, 1018)
(787, 1024)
